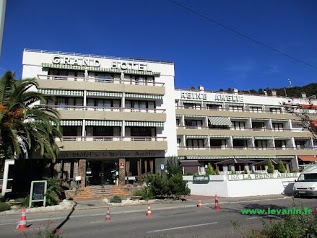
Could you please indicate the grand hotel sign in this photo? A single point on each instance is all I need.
(76, 61)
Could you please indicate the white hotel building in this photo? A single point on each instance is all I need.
(125, 115)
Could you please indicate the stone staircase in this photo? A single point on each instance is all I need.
(106, 191)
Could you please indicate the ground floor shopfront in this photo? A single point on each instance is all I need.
(104, 168)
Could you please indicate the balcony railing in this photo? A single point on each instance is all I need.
(108, 109)
(231, 110)
(113, 138)
(242, 148)
(101, 80)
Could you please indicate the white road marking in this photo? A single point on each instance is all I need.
(182, 227)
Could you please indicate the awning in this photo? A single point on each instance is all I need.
(102, 123)
(235, 161)
(190, 162)
(71, 122)
(104, 94)
(197, 136)
(58, 92)
(220, 121)
(307, 157)
(146, 96)
(144, 123)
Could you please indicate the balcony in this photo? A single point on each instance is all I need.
(242, 151)
(104, 143)
(111, 113)
(100, 80)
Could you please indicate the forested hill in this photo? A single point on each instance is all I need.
(295, 92)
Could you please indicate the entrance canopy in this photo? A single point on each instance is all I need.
(235, 161)
(308, 158)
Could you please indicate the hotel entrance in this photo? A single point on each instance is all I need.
(101, 172)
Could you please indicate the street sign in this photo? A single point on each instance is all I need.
(200, 179)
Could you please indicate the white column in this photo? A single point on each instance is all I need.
(7, 163)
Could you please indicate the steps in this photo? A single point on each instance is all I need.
(106, 191)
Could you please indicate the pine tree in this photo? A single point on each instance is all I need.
(281, 167)
(210, 170)
(270, 168)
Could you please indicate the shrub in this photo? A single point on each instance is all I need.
(4, 206)
(210, 170)
(217, 172)
(245, 170)
(53, 192)
(178, 186)
(138, 192)
(160, 185)
(116, 199)
(173, 166)
(281, 167)
(233, 171)
(270, 167)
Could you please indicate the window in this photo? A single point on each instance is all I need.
(103, 131)
(191, 106)
(218, 143)
(280, 143)
(235, 108)
(214, 107)
(300, 144)
(69, 130)
(193, 123)
(275, 110)
(140, 104)
(195, 143)
(141, 131)
(240, 143)
(258, 125)
(278, 126)
(177, 122)
(238, 125)
(256, 109)
(260, 144)
(178, 141)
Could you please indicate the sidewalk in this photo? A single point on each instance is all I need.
(186, 202)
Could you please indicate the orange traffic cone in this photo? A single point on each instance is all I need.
(217, 207)
(199, 205)
(149, 213)
(108, 215)
(22, 223)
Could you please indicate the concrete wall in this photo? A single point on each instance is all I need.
(223, 187)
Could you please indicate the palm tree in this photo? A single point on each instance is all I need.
(26, 127)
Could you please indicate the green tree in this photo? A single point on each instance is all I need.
(281, 167)
(26, 127)
(210, 170)
(270, 167)
(173, 166)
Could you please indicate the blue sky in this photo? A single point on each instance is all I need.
(204, 53)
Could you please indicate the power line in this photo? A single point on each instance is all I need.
(241, 34)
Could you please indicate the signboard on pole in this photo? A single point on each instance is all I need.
(38, 192)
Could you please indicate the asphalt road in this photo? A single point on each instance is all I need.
(168, 220)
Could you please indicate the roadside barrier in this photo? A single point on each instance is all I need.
(149, 213)
(108, 214)
(217, 207)
(199, 205)
(22, 223)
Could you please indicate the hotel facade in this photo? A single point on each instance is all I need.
(121, 118)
